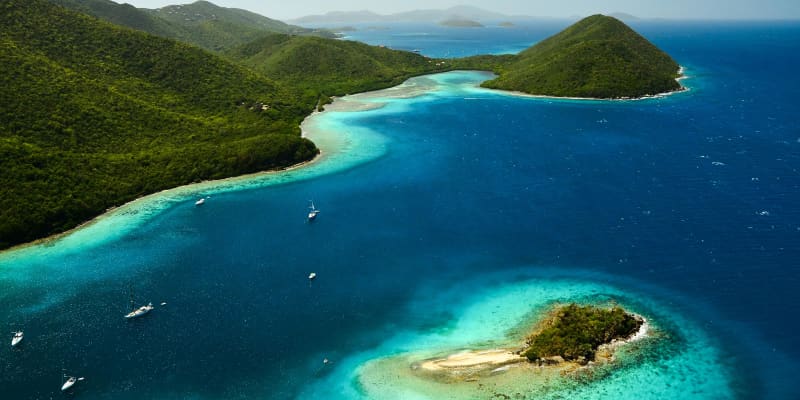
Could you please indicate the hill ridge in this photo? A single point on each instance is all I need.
(96, 115)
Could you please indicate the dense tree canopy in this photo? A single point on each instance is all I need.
(318, 66)
(598, 57)
(200, 23)
(96, 114)
(576, 331)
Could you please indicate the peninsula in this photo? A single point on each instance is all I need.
(97, 114)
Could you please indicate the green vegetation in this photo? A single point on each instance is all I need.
(492, 63)
(597, 57)
(574, 332)
(317, 67)
(96, 115)
(201, 23)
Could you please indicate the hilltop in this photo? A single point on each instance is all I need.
(597, 57)
(201, 23)
(95, 115)
(325, 67)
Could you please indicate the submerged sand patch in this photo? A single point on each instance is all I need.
(475, 358)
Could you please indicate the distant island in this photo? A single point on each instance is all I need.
(140, 101)
(506, 24)
(347, 28)
(461, 23)
(429, 15)
(623, 16)
(200, 23)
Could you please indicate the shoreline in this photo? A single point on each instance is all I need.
(492, 360)
(413, 87)
(157, 202)
(186, 189)
(681, 89)
(477, 357)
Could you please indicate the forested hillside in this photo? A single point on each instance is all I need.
(95, 115)
(200, 23)
(331, 67)
(597, 57)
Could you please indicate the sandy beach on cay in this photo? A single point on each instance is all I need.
(473, 358)
(494, 358)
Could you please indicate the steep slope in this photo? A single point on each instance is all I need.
(123, 14)
(331, 67)
(200, 23)
(218, 28)
(598, 57)
(95, 115)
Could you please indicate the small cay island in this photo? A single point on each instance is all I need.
(568, 344)
(104, 103)
(570, 335)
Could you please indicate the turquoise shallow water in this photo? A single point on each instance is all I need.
(678, 360)
(435, 209)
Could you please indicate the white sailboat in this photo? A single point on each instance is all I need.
(138, 312)
(70, 382)
(313, 213)
(17, 338)
(200, 202)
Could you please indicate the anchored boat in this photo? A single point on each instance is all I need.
(17, 338)
(138, 312)
(70, 382)
(313, 213)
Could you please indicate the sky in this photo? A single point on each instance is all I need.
(675, 9)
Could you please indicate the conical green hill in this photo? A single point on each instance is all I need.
(597, 57)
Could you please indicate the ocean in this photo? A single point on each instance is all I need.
(446, 217)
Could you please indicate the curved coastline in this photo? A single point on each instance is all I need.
(682, 89)
(372, 101)
(341, 147)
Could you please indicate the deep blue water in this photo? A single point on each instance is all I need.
(440, 41)
(694, 195)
